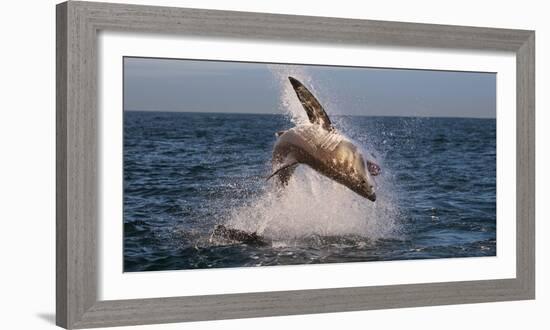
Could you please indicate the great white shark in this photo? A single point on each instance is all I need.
(320, 146)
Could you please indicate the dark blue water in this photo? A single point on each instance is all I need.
(186, 172)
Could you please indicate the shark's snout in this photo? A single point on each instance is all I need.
(367, 189)
(364, 189)
(372, 197)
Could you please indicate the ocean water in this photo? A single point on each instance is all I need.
(185, 173)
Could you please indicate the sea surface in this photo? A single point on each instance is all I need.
(185, 173)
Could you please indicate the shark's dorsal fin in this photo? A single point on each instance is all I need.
(314, 110)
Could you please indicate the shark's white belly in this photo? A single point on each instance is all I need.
(318, 138)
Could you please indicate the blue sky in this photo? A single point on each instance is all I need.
(213, 86)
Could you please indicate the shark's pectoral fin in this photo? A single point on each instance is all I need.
(284, 171)
(374, 169)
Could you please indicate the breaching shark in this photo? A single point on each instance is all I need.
(320, 146)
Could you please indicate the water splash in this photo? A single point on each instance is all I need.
(312, 204)
(289, 104)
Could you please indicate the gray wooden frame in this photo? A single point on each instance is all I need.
(77, 150)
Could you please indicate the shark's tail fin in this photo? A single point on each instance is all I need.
(314, 110)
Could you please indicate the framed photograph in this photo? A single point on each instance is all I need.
(217, 165)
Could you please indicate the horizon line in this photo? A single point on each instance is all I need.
(282, 114)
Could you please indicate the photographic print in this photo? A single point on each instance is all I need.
(237, 164)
